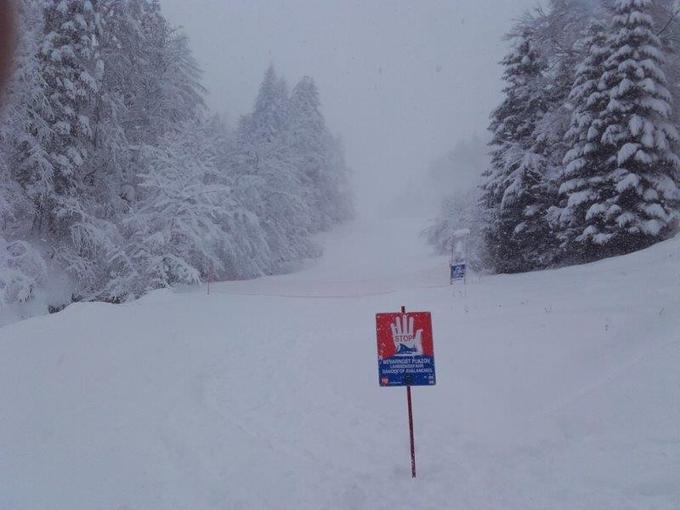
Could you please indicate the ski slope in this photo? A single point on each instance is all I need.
(555, 390)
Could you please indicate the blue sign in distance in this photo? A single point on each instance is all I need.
(458, 271)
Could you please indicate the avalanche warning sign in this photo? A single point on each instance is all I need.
(405, 349)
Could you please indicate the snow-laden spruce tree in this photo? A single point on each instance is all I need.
(632, 201)
(264, 127)
(557, 32)
(171, 90)
(514, 192)
(71, 216)
(269, 176)
(309, 146)
(71, 68)
(314, 150)
(25, 130)
(124, 52)
(586, 158)
(245, 250)
(150, 85)
(24, 167)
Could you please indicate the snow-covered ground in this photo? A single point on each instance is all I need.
(555, 390)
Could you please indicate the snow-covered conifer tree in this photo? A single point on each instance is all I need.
(636, 197)
(25, 171)
(25, 131)
(514, 191)
(308, 139)
(274, 182)
(586, 158)
(76, 215)
(71, 68)
(314, 150)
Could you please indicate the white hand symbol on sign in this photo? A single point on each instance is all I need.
(405, 342)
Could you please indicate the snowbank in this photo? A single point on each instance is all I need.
(556, 389)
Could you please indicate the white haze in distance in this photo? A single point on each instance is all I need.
(400, 80)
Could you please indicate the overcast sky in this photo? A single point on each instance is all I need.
(400, 80)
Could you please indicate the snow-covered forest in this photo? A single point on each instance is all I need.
(583, 156)
(115, 178)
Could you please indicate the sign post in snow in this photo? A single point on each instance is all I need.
(406, 357)
(459, 255)
(458, 271)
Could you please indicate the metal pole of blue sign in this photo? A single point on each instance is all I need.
(410, 422)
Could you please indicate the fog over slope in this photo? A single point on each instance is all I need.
(401, 81)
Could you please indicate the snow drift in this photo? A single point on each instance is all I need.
(555, 389)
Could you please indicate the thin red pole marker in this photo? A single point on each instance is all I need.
(410, 427)
(410, 423)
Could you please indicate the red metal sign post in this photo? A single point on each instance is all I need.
(410, 422)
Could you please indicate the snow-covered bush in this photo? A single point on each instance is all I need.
(459, 211)
(188, 224)
(22, 271)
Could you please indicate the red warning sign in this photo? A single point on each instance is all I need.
(405, 349)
